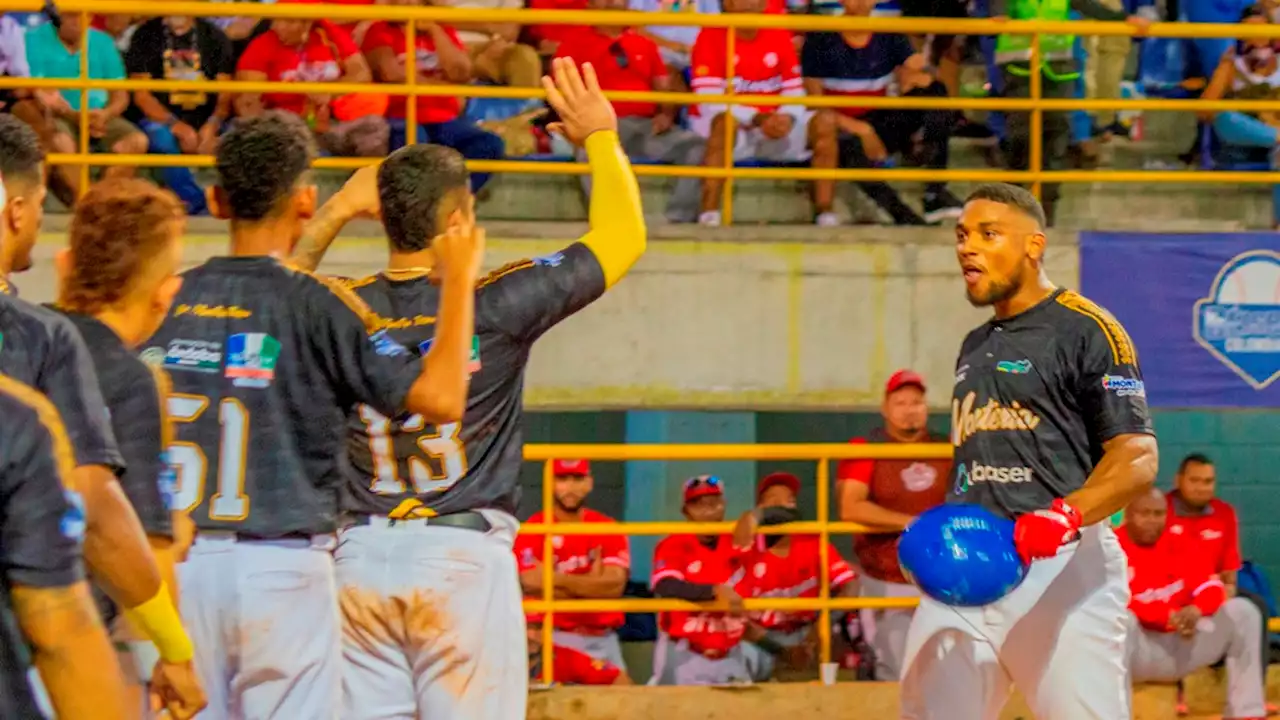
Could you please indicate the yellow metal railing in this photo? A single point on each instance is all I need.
(822, 454)
(1035, 104)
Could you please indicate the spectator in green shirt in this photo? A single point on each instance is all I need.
(55, 53)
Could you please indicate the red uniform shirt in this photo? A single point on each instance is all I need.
(431, 109)
(574, 555)
(796, 575)
(1162, 583)
(626, 62)
(765, 65)
(684, 557)
(557, 33)
(905, 486)
(318, 60)
(578, 668)
(1211, 538)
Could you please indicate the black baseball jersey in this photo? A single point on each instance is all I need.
(1036, 396)
(476, 463)
(135, 396)
(41, 523)
(265, 361)
(41, 348)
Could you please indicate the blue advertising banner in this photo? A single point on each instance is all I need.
(1203, 311)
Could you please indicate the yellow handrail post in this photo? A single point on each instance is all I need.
(411, 80)
(730, 127)
(548, 574)
(83, 117)
(1035, 163)
(824, 555)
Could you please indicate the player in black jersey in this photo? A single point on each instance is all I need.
(265, 361)
(47, 618)
(1051, 429)
(118, 280)
(41, 348)
(431, 504)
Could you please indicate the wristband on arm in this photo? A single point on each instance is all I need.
(158, 619)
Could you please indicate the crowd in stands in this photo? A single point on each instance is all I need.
(659, 58)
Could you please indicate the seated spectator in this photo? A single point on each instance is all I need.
(178, 47)
(571, 667)
(55, 53)
(298, 50)
(120, 27)
(1249, 71)
(787, 566)
(853, 63)
(497, 55)
(700, 647)
(440, 60)
(766, 65)
(675, 41)
(625, 60)
(1182, 618)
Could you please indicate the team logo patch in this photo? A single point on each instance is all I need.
(770, 59)
(553, 260)
(1014, 367)
(1239, 321)
(251, 359)
(473, 365)
(695, 566)
(918, 477)
(72, 524)
(760, 570)
(963, 482)
(1123, 386)
(384, 344)
(188, 355)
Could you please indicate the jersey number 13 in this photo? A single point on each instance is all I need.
(442, 464)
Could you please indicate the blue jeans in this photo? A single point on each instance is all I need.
(474, 142)
(1247, 131)
(178, 179)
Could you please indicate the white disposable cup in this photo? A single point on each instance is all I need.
(829, 673)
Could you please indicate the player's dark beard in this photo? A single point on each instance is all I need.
(996, 292)
(570, 508)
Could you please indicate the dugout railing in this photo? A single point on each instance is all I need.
(1035, 104)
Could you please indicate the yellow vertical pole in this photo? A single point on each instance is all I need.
(548, 574)
(730, 127)
(824, 553)
(411, 79)
(1036, 161)
(84, 102)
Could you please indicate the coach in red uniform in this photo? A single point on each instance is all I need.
(586, 566)
(1207, 525)
(786, 566)
(1181, 617)
(699, 648)
(886, 495)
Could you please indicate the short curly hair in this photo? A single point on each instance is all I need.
(1014, 196)
(119, 228)
(260, 162)
(21, 155)
(412, 183)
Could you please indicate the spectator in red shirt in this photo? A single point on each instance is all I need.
(298, 50)
(572, 667)
(766, 65)
(700, 647)
(625, 60)
(586, 566)
(548, 38)
(441, 60)
(784, 566)
(1181, 616)
(886, 495)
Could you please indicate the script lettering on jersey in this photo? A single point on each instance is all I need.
(381, 323)
(1160, 594)
(234, 312)
(772, 86)
(713, 623)
(967, 420)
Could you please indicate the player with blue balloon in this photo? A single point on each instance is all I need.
(1052, 436)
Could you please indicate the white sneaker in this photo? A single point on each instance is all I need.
(710, 218)
(827, 219)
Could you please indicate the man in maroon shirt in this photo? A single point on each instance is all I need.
(886, 495)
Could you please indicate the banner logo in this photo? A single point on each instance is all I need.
(1239, 322)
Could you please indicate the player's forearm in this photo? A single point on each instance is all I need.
(162, 548)
(1126, 471)
(875, 516)
(115, 546)
(440, 393)
(71, 651)
(618, 236)
(609, 584)
(678, 589)
(320, 232)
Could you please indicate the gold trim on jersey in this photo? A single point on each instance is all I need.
(352, 283)
(164, 388)
(343, 293)
(504, 271)
(47, 414)
(1122, 350)
(405, 274)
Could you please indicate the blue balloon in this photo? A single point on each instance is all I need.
(961, 555)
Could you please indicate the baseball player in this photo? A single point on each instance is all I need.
(784, 566)
(700, 648)
(1050, 427)
(572, 667)
(1181, 617)
(42, 349)
(440, 498)
(265, 361)
(48, 622)
(118, 280)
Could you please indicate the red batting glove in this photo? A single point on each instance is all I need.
(1039, 534)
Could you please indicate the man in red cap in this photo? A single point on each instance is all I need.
(586, 566)
(885, 495)
(700, 647)
(784, 566)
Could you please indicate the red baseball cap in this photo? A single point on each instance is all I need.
(570, 467)
(785, 479)
(903, 378)
(702, 485)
